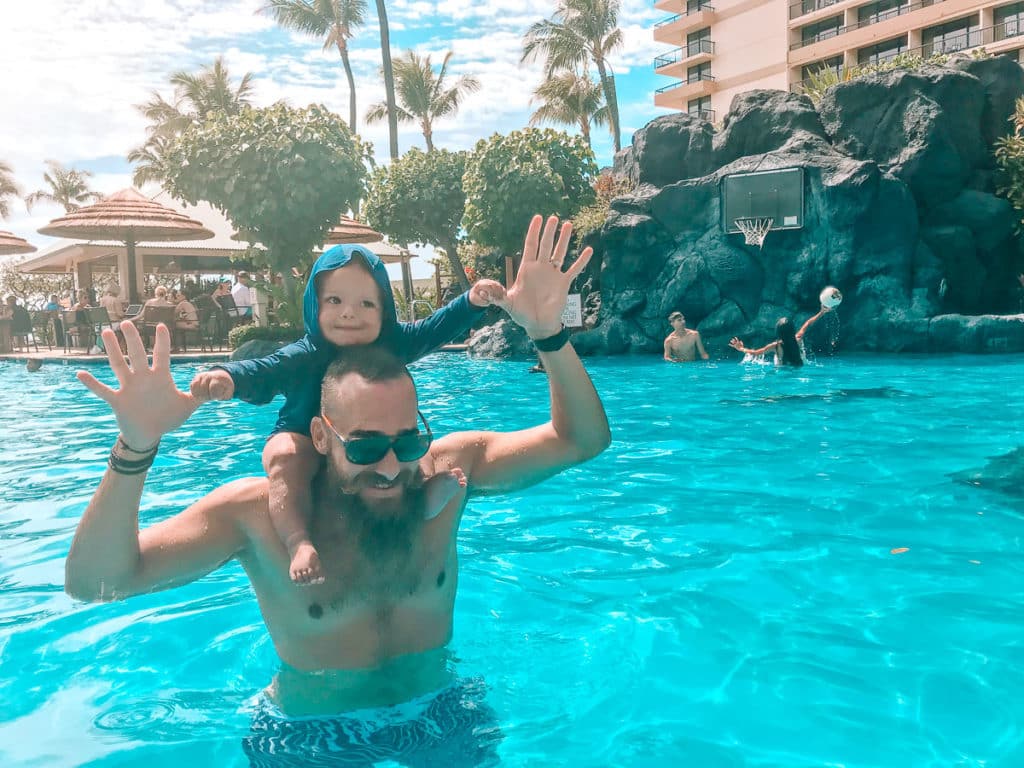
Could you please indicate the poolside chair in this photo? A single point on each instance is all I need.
(234, 314)
(43, 327)
(151, 318)
(76, 327)
(98, 318)
(22, 330)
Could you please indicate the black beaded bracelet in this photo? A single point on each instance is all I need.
(553, 343)
(124, 466)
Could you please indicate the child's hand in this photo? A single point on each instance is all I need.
(735, 343)
(212, 385)
(484, 293)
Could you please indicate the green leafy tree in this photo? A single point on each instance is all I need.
(389, 78)
(8, 189)
(423, 95)
(419, 199)
(284, 175)
(65, 187)
(510, 178)
(31, 289)
(1009, 153)
(196, 95)
(333, 20)
(569, 98)
(580, 33)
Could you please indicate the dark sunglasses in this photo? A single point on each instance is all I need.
(370, 449)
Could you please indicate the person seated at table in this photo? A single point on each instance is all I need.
(111, 301)
(186, 317)
(53, 305)
(21, 320)
(82, 301)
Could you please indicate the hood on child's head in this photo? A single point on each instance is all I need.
(335, 258)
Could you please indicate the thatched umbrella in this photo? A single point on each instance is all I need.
(10, 243)
(352, 231)
(130, 216)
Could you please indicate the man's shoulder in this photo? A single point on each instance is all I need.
(244, 500)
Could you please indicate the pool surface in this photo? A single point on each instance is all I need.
(766, 568)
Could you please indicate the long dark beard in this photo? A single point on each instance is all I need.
(384, 530)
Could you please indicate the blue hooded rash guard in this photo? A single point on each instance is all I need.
(297, 369)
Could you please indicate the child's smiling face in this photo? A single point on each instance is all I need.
(350, 306)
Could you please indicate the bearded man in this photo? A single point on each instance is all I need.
(374, 632)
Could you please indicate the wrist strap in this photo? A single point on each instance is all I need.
(553, 343)
(124, 466)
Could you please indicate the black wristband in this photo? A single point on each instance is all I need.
(553, 343)
(124, 466)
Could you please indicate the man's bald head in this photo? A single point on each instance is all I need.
(354, 369)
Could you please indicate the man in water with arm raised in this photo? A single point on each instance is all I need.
(384, 614)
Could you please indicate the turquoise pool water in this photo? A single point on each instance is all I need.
(718, 589)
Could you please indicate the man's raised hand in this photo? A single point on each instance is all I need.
(148, 404)
(537, 298)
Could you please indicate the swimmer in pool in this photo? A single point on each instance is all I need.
(788, 344)
(683, 344)
(374, 632)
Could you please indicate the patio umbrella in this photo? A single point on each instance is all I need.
(130, 216)
(352, 231)
(10, 243)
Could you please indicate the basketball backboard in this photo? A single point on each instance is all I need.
(777, 194)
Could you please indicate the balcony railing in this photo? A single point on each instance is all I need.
(671, 86)
(684, 14)
(899, 11)
(809, 6)
(974, 38)
(695, 48)
(703, 114)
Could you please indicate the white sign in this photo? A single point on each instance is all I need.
(572, 315)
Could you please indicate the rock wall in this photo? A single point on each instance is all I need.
(900, 214)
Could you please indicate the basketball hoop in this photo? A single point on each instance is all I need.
(754, 230)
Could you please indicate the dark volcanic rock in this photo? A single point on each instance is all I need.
(667, 149)
(1003, 81)
(923, 127)
(504, 339)
(762, 121)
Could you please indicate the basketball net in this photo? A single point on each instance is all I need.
(754, 230)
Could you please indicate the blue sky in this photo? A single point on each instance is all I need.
(74, 70)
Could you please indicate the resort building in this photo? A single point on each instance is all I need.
(726, 47)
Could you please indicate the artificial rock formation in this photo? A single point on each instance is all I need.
(900, 213)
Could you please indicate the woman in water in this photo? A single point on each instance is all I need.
(788, 346)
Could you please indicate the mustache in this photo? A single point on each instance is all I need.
(410, 479)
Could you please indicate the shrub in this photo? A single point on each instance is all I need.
(240, 334)
(1009, 153)
(818, 83)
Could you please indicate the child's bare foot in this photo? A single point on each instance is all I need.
(439, 490)
(305, 565)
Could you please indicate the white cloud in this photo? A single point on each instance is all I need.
(74, 70)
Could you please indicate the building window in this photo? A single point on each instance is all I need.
(835, 64)
(882, 52)
(1009, 21)
(693, 6)
(821, 30)
(697, 105)
(699, 42)
(699, 72)
(952, 37)
(807, 6)
(880, 11)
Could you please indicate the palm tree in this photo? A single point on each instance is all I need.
(389, 78)
(67, 187)
(8, 188)
(580, 32)
(333, 20)
(147, 160)
(423, 95)
(570, 98)
(195, 96)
